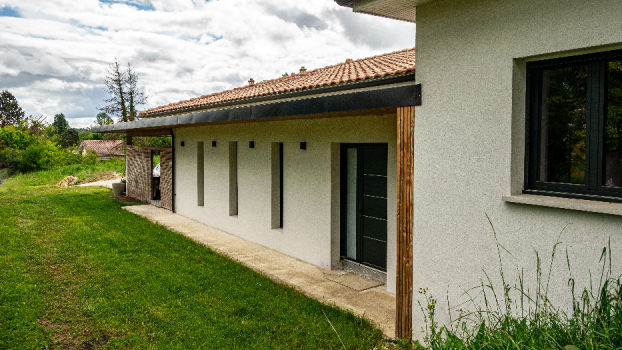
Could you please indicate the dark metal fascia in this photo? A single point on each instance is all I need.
(390, 97)
(321, 90)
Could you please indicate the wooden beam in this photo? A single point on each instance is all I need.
(404, 277)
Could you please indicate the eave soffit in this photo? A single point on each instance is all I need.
(403, 10)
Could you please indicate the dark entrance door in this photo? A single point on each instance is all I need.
(364, 204)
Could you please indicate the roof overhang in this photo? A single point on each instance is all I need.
(404, 10)
(297, 94)
(375, 100)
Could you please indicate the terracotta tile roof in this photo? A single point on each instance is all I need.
(390, 64)
(104, 147)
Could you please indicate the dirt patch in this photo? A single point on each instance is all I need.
(126, 199)
(99, 176)
(68, 181)
(63, 339)
(105, 176)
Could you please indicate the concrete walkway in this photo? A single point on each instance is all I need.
(346, 290)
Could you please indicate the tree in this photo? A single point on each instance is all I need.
(60, 124)
(135, 97)
(69, 137)
(11, 112)
(115, 86)
(124, 94)
(37, 125)
(103, 119)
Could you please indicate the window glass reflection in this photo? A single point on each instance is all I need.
(563, 114)
(613, 126)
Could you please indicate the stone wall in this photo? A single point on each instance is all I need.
(139, 174)
(166, 177)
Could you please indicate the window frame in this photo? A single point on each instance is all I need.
(593, 188)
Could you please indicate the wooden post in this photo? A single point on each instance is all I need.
(404, 277)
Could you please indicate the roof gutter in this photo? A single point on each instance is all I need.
(300, 93)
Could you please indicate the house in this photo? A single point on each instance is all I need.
(519, 120)
(105, 149)
(305, 164)
(512, 115)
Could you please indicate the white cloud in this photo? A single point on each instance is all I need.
(55, 56)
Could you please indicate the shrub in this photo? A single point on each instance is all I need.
(40, 155)
(90, 158)
(10, 137)
(36, 157)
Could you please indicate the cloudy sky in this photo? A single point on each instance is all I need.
(54, 54)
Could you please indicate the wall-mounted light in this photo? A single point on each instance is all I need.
(251, 144)
(303, 145)
(213, 143)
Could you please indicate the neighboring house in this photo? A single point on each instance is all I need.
(105, 149)
(516, 118)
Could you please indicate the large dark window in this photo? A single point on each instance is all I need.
(574, 127)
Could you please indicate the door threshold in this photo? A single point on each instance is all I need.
(364, 270)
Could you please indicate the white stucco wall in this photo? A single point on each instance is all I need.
(311, 197)
(470, 139)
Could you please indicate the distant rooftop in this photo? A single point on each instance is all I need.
(390, 64)
(104, 147)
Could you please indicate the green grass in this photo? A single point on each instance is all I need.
(53, 176)
(78, 272)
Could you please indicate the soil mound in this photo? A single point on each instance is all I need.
(68, 181)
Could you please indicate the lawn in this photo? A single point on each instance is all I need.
(78, 272)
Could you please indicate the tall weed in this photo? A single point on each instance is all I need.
(514, 318)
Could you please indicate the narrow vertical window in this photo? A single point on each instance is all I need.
(351, 200)
(233, 178)
(276, 157)
(281, 182)
(200, 175)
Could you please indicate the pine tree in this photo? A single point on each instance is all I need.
(135, 97)
(9, 109)
(60, 123)
(115, 86)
